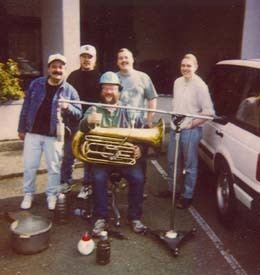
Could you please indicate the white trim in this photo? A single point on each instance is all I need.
(242, 196)
(253, 63)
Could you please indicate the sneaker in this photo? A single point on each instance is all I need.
(183, 203)
(27, 201)
(85, 192)
(99, 226)
(51, 200)
(65, 188)
(138, 226)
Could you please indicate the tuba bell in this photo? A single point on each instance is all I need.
(114, 145)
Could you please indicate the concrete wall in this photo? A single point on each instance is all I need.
(9, 113)
(23, 8)
(212, 30)
(251, 30)
(61, 30)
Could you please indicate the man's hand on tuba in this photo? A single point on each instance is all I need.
(94, 118)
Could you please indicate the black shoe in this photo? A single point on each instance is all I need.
(183, 203)
(145, 196)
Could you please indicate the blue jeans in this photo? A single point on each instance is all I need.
(187, 160)
(34, 146)
(68, 164)
(135, 177)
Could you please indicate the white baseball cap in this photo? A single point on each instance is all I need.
(57, 56)
(88, 49)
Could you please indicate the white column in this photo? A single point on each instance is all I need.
(61, 30)
(251, 30)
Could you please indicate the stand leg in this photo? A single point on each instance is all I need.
(172, 238)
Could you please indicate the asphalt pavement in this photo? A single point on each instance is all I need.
(138, 254)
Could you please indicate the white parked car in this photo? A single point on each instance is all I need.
(232, 150)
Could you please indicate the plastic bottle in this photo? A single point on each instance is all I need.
(86, 244)
(61, 209)
(60, 132)
(60, 127)
(103, 249)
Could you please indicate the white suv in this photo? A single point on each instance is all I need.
(232, 149)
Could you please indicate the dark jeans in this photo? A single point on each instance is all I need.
(135, 177)
(187, 159)
(68, 163)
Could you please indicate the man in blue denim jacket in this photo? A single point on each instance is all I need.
(38, 127)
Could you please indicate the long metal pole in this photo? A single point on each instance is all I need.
(177, 142)
(135, 108)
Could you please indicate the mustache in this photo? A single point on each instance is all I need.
(124, 63)
(57, 73)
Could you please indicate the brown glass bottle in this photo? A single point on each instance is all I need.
(103, 249)
(61, 213)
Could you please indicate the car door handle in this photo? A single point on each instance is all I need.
(219, 133)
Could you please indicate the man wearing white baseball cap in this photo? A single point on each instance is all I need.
(57, 56)
(38, 127)
(88, 49)
(85, 81)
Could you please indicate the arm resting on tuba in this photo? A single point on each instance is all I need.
(115, 145)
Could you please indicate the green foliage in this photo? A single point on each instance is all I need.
(10, 88)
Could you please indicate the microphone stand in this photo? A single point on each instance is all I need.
(173, 238)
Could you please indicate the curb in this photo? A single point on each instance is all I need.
(39, 172)
(11, 145)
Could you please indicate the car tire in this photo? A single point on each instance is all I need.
(226, 203)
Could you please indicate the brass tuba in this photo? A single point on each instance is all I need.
(114, 145)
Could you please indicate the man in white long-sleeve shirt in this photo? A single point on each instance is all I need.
(190, 95)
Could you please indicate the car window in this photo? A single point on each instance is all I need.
(249, 109)
(226, 85)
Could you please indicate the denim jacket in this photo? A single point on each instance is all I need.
(34, 98)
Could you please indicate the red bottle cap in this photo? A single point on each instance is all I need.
(86, 237)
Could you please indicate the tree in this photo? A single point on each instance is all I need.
(10, 88)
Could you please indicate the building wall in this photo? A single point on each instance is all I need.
(251, 30)
(61, 30)
(164, 33)
(20, 33)
(24, 8)
(160, 32)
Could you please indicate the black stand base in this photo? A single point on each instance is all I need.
(173, 243)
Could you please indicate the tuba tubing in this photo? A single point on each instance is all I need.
(114, 145)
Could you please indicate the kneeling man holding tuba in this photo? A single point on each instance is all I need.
(99, 120)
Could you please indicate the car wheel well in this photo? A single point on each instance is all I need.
(219, 163)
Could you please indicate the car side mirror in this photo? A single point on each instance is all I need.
(220, 119)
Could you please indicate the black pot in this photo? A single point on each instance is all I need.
(30, 235)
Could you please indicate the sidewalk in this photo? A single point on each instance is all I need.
(11, 160)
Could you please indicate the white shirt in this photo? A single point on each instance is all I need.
(191, 96)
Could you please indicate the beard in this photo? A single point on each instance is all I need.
(111, 99)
